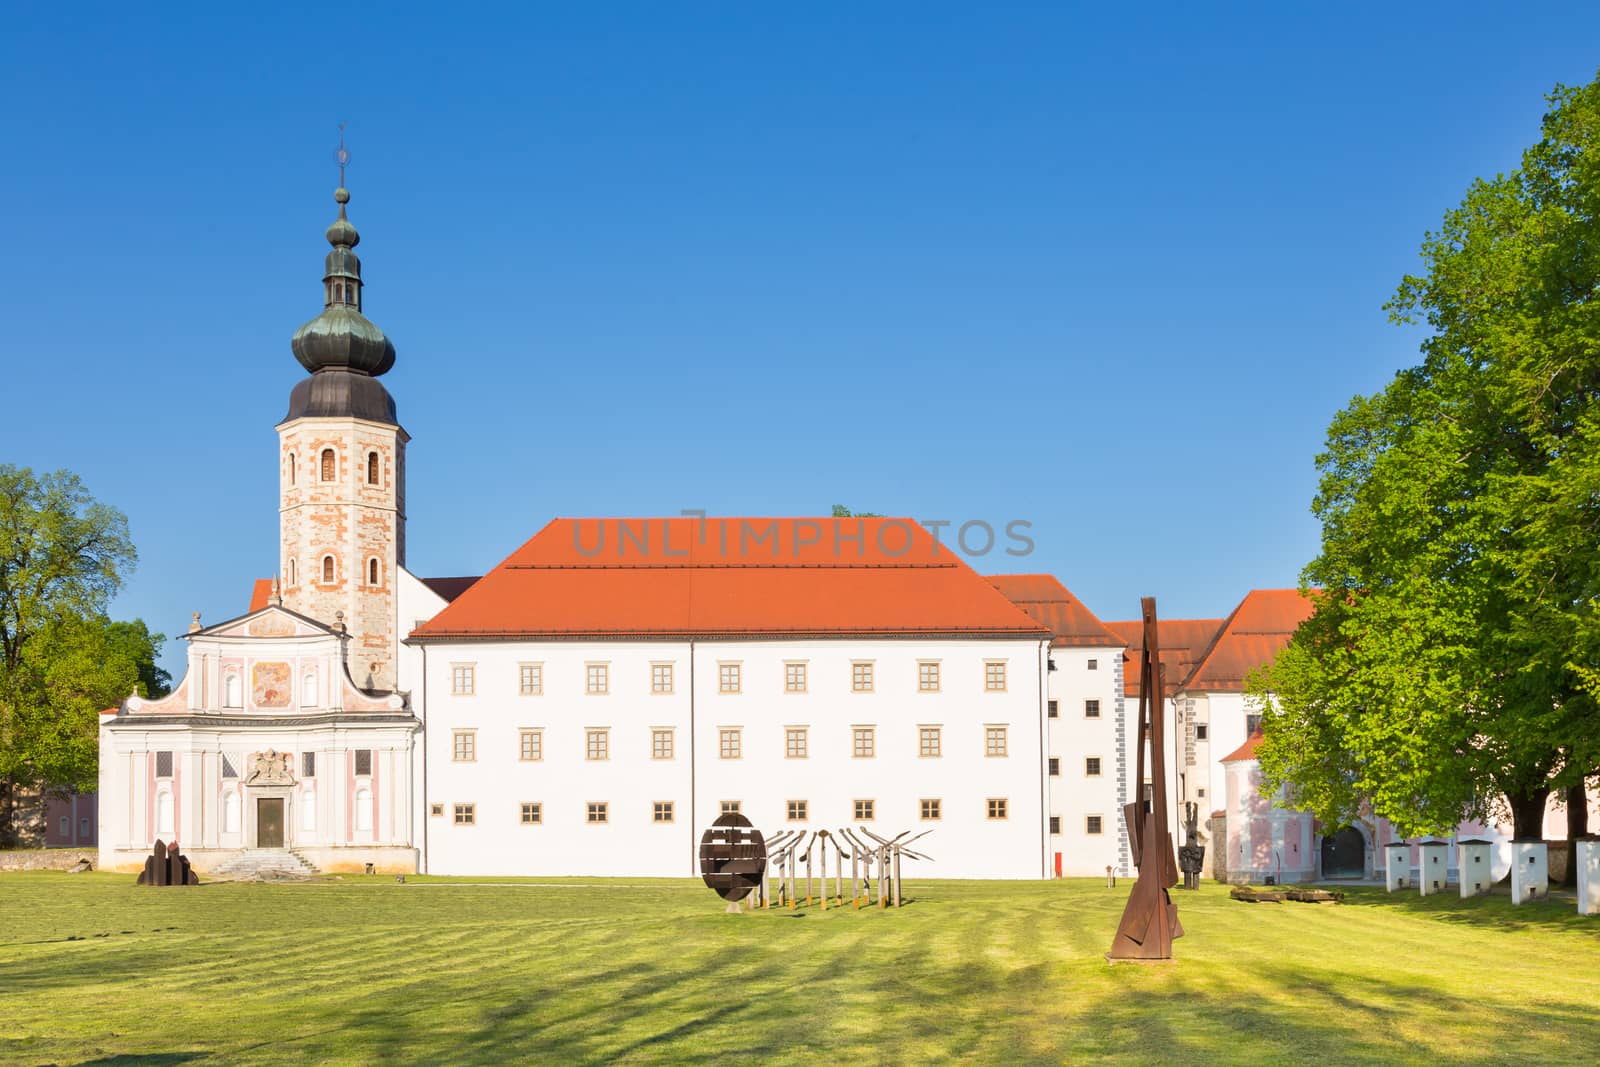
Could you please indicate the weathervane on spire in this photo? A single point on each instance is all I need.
(342, 156)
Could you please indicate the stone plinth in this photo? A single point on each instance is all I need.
(1530, 871)
(1476, 861)
(1587, 854)
(1396, 866)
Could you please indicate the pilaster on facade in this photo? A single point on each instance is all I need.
(1124, 852)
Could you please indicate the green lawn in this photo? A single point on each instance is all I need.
(93, 968)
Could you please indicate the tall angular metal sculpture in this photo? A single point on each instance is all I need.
(1150, 920)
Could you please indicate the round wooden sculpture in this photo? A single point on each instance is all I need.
(732, 856)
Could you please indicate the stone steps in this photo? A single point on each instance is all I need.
(265, 864)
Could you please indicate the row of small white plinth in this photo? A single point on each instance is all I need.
(1530, 870)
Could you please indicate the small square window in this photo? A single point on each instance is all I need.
(861, 677)
(530, 745)
(532, 813)
(1093, 824)
(928, 676)
(1201, 731)
(436, 809)
(728, 678)
(1202, 793)
(1055, 824)
(597, 678)
(1094, 665)
(997, 808)
(465, 749)
(729, 743)
(597, 744)
(863, 742)
(531, 679)
(797, 811)
(794, 742)
(1091, 766)
(599, 812)
(163, 764)
(994, 740)
(863, 811)
(463, 679)
(308, 764)
(730, 807)
(994, 676)
(1055, 766)
(1052, 709)
(661, 811)
(660, 677)
(928, 741)
(930, 810)
(661, 743)
(363, 762)
(1091, 709)
(794, 677)
(466, 814)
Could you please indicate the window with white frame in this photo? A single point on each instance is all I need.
(660, 677)
(661, 746)
(530, 679)
(994, 740)
(928, 676)
(928, 741)
(861, 676)
(597, 745)
(994, 676)
(597, 678)
(863, 742)
(530, 745)
(463, 679)
(729, 677)
(794, 742)
(464, 747)
(794, 676)
(729, 742)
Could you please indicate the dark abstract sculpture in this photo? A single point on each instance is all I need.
(733, 858)
(166, 867)
(1191, 854)
(1150, 920)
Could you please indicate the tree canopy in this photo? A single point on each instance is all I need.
(1452, 663)
(63, 555)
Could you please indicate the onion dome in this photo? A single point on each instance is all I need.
(341, 337)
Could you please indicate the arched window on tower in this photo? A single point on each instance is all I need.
(372, 468)
(293, 577)
(329, 466)
(327, 570)
(291, 468)
(372, 573)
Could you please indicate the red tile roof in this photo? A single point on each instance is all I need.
(1251, 637)
(1048, 601)
(1183, 642)
(260, 594)
(1244, 751)
(686, 577)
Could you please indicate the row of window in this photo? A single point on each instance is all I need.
(330, 572)
(730, 743)
(664, 811)
(308, 764)
(1091, 767)
(730, 677)
(1092, 824)
(1091, 709)
(328, 467)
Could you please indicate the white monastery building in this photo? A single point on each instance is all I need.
(595, 701)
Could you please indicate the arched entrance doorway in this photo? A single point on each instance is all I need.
(1344, 854)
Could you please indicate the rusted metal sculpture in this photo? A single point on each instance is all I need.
(733, 858)
(1150, 920)
(166, 867)
(1191, 854)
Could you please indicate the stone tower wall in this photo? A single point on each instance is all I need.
(354, 522)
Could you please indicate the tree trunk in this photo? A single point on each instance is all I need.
(1527, 814)
(8, 804)
(1577, 829)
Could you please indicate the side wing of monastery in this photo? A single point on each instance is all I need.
(595, 701)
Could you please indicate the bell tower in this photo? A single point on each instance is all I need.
(341, 469)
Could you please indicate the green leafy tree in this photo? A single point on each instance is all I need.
(842, 512)
(1452, 664)
(63, 555)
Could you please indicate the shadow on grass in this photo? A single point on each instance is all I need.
(1493, 909)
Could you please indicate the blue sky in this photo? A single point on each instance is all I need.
(1109, 273)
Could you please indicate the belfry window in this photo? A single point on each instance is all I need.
(293, 577)
(328, 465)
(372, 468)
(291, 468)
(327, 569)
(372, 572)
